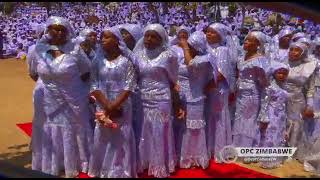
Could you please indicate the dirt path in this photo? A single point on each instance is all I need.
(16, 107)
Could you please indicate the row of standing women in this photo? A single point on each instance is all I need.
(137, 101)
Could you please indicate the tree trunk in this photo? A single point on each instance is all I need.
(165, 7)
(8, 7)
(194, 11)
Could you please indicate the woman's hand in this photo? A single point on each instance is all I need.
(92, 99)
(34, 77)
(263, 126)
(176, 87)
(209, 87)
(111, 106)
(180, 114)
(308, 113)
(103, 118)
(100, 116)
(220, 77)
(232, 97)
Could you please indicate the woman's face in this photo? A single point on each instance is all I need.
(152, 39)
(183, 35)
(251, 44)
(109, 41)
(128, 39)
(284, 42)
(212, 36)
(58, 33)
(281, 74)
(295, 54)
(92, 38)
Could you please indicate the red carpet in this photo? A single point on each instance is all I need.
(26, 127)
(213, 171)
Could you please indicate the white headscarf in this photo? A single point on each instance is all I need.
(298, 35)
(159, 29)
(284, 32)
(55, 20)
(44, 46)
(198, 41)
(134, 29)
(181, 28)
(302, 46)
(261, 37)
(84, 33)
(304, 40)
(275, 65)
(115, 30)
(221, 30)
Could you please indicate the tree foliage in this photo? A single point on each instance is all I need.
(8, 7)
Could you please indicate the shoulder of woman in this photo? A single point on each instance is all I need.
(125, 59)
(175, 47)
(169, 53)
(312, 64)
(71, 57)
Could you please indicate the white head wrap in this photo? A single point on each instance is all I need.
(44, 46)
(60, 21)
(160, 30)
(180, 28)
(298, 36)
(300, 45)
(174, 41)
(84, 33)
(275, 65)
(134, 29)
(261, 37)
(198, 41)
(284, 32)
(304, 40)
(115, 31)
(221, 30)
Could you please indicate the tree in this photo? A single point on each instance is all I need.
(8, 7)
(232, 9)
(47, 5)
(165, 7)
(1, 6)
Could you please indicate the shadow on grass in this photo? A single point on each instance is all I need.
(21, 156)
